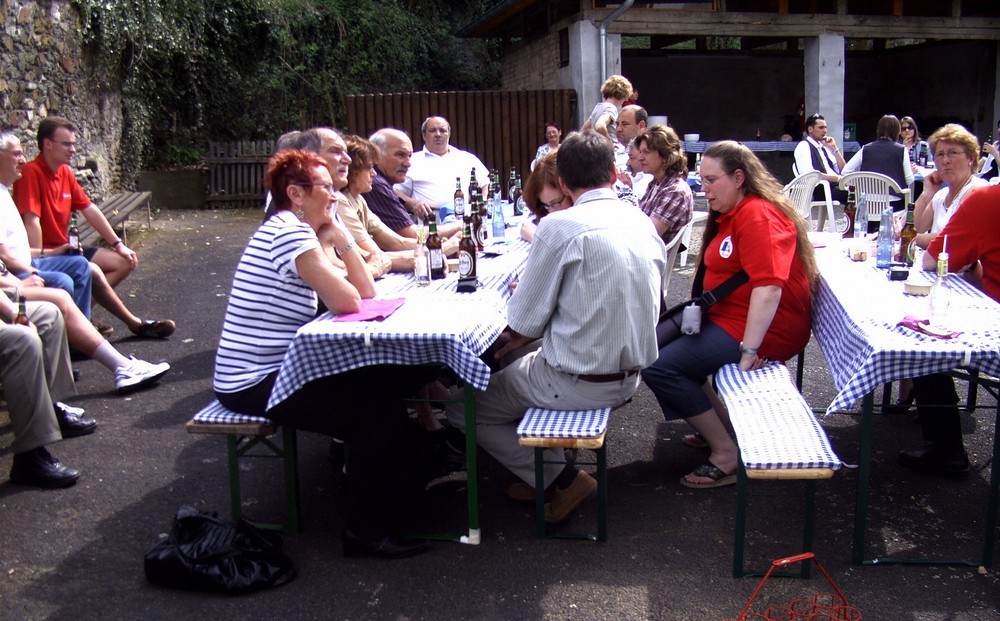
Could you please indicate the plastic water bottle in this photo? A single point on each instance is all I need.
(940, 291)
(861, 224)
(885, 240)
(499, 226)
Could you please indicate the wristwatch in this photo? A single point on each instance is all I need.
(748, 350)
(342, 251)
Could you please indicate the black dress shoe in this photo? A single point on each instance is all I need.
(39, 468)
(389, 547)
(72, 422)
(934, 462)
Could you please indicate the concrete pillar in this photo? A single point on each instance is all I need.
(585, 64)
(824, 80)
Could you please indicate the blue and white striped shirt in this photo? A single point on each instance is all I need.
(268, 303)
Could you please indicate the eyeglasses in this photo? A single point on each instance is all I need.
(326, 186)
(711, 180)
(556, 204)
(940, 155)
(906, 128)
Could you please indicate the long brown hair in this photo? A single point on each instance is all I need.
(733, 156)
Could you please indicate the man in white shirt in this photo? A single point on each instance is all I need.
(818, 151)
(591, 292)
(430, 181)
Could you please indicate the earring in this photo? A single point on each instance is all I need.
(300, 214)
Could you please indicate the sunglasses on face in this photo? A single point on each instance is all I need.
(907, 128)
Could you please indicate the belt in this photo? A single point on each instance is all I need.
(610, 377)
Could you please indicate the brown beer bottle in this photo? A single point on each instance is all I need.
(434, 254)
(906, 237)
(467, 254)
(459, 199)
(850, 211)
(21, 318)
(477, 223)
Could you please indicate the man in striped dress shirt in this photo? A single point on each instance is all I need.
(591, 292)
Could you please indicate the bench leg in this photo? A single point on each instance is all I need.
(289, 455)
(601, 462)
(540, 492)
(741, 521)
(602, 493)
(235, 496)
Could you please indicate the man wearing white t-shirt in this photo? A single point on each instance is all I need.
(430, 181)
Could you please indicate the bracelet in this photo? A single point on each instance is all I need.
(117, 243)
(342, 251)
(748, 350)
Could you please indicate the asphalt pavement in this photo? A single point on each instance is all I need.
(78, 553)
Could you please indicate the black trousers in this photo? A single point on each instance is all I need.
(937, 408)
(364, 408)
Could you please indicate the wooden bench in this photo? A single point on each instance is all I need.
(244, 433)
(779, 439)
(116, 209)
(573, 429)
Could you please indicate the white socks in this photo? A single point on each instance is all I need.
(110, 357)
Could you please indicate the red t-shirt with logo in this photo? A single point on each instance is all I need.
(757, 237)
(51, 196)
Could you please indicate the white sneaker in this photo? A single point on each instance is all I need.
(138, 373)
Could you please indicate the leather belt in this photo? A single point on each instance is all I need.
(610, 377)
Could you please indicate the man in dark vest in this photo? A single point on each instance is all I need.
(885, 156)
(820, 152)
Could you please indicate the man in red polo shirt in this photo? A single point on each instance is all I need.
(47, 194)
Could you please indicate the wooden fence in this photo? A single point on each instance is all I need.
(236, 173)
(503, 128)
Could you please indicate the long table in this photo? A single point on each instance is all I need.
(856, 310)
(435, 325)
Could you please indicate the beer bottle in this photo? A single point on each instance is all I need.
(473, 184)
(421, 268)
(459, 199)
(517, 200)
(906, 237)
(477, 224)
(467, 255)
(434, 255)
(73, 236)
(21, 318)
(510, 184)
(850, 211)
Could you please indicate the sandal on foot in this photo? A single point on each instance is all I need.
(710, 471)
(694, 440)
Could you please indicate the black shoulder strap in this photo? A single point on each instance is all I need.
(732, 283)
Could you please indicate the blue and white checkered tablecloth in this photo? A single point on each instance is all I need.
(436, 324)
(856, 310)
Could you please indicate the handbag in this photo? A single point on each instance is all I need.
(205, 552)
(686, 317)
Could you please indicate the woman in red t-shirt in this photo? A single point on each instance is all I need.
(754, 228)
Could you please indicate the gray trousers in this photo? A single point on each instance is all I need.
(35, 370)
(530, 381)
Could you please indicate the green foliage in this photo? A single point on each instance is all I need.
(191, 71)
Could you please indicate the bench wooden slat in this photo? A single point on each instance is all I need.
(240, 429)
(579, 443)
(116, 210)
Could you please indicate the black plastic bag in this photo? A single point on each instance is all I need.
(207, 553)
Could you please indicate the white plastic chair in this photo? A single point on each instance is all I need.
(800, 191)
(696, 217)
(827, 202)
(877, 189)
(673, 246)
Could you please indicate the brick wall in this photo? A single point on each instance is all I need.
(44, 72)
(533, 65)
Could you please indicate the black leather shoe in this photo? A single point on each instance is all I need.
(39, 468)
(933, 462)
(72, 422)
(389, 547)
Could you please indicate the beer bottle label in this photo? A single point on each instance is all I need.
(436, 258)
(465, 263)
(459, 207)
(482, 235)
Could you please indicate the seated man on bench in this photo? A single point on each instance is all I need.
(46, 194)
(599, 259)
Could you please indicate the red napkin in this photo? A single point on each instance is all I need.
(372, 309)
(924, 326)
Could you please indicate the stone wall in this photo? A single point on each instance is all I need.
(45, 72)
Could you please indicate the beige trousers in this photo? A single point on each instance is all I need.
(35, 370)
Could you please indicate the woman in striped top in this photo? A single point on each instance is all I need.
(300, 255)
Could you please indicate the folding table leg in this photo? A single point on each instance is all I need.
(471, 469)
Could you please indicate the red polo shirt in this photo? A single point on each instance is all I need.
(51, 196)
(757, 238)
